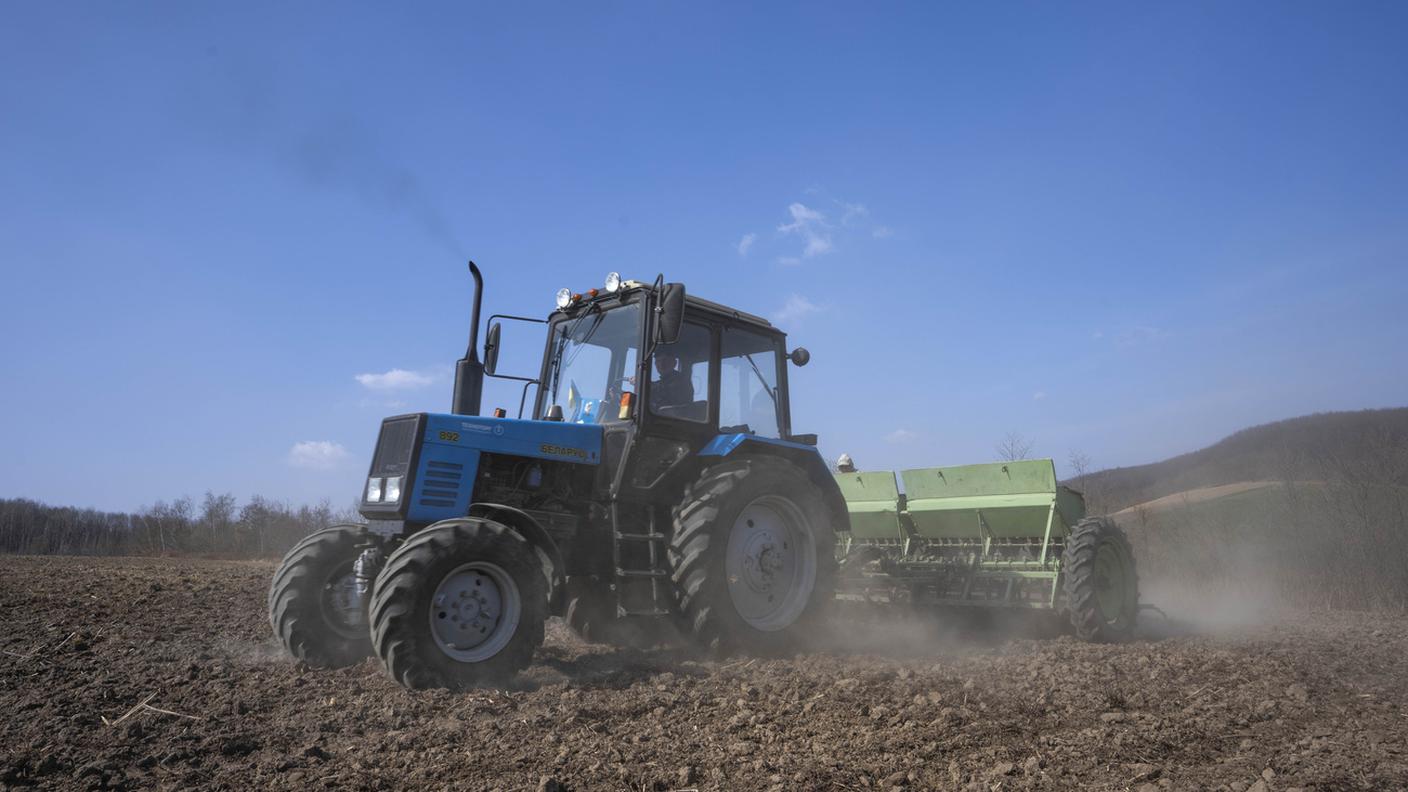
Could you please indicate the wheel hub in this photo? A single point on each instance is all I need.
(763, 562)
(343, 604)
(770, 562)
(474, 611)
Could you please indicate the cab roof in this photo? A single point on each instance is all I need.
(695, 303)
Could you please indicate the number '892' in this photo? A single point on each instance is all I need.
(450, 437)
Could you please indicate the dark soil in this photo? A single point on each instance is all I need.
(1317, 702)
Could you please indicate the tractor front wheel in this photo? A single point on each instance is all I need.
(1101, 585)
(460, 604)
(753, 556)
(314, 606)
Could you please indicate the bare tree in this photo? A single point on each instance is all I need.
(1080, 465)
(1081, 468)
(1014, 447)
(217, 518)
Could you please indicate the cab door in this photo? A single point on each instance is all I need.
(677, 413)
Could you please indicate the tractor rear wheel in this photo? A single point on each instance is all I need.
(753, 556)
(1100, 581)
(460, 604)
(313, 605)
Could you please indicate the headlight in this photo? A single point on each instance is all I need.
(393, 489)
(613, 283)
(564, 298)
(374, 489)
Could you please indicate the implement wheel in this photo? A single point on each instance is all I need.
(753, 557)
(460, 604)
(313, 605)
(1101, 584)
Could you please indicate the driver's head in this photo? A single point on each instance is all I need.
(665, 360)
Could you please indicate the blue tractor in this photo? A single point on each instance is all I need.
(656, 483)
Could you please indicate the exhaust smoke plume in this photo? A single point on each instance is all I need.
(340, 156)
(332, 152)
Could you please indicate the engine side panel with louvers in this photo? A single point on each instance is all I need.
(439, 456)
(444, 483)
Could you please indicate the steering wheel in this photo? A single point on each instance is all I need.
(613, 390)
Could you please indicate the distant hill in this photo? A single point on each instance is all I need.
(1307, 512)
(1310, 448)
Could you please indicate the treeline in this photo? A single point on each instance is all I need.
(217, 525)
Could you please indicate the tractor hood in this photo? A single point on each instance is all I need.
(425, 464)
(566, 442)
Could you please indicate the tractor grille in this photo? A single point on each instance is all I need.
(441, 486)
(395, 446)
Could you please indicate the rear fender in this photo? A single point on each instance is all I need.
(806, 457)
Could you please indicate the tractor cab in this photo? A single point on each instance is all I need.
(709, 367)
(665, 376)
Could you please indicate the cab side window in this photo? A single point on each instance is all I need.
(748, 383)
(679, 375)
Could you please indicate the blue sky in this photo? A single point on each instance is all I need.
(1124, 229)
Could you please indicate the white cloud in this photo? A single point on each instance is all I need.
(745, 243)
(819, 231)
(901, 436)
(795, 310)
(811, 226)
(377, 403)
(801, 217)
(1142, 334)
(1039, 395)
(395, 379)
(316, 454)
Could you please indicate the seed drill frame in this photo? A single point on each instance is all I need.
(989, 535)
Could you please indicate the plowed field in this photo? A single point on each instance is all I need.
(1315, 702)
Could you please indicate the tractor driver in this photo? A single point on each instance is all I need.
(672, 387)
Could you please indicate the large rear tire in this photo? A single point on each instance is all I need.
(1100, 581)
(460, 604)
(753, 557)
(312, 606)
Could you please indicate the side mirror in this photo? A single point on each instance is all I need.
(491, 349)
(799, 357)
(671, 313)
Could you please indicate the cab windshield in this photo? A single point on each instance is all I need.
(592, 361)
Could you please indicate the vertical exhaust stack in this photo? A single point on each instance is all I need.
(469, 372)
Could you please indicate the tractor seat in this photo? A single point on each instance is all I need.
(694, 411)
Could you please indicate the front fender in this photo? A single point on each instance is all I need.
(537, 536)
